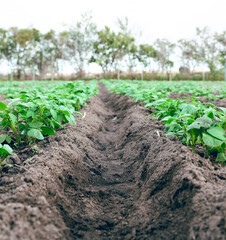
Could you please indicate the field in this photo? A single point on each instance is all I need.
(112, 160)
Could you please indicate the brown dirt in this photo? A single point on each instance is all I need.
(113, 176)
(218, 102)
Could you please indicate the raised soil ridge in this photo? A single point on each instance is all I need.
(113, 175)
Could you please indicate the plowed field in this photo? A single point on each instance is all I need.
(114, 175)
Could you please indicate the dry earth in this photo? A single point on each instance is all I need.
(114, 175)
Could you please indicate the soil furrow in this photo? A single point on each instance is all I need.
(114, 175)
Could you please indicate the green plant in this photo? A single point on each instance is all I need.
(35, 113)
(5, 151)
(193, 122)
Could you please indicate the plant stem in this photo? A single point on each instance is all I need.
(2, 160)
(14, 131)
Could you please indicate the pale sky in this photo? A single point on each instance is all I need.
(171, 19)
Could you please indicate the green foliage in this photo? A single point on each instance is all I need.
(34, 113)
(146, 54)
(17, 45)
(5, 151)
(111, 47)
(193, 122)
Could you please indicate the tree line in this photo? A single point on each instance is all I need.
(28, 50)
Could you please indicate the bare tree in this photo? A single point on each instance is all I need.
(131, 53)
(46, 53)
(208, 47)
(164, 50)
(81, 37)
(221, 39)
(190, 53)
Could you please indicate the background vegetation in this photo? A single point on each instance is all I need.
(31, 54)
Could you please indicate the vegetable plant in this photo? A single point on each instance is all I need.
(193, 122)
(35, 113)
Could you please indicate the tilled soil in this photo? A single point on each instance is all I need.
(114, 175)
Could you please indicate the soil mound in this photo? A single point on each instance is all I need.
(114, 175)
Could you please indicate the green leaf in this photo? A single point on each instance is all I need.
(23, 96)
(5, 138)
(170, 134)
(188, 108)
(13, 102)
(21, 126)
(77, 113)
(223, 109)
(190, 121)
(211, 141)
(5, 150)
(2, 138)
(66, 113)
(210, 114)
(60, 117)
(47, 131)
(8, 139)
(36, 124)
(19, 107)
(168, 119)
(12, 117)
(2, 106)
(221, 157)
(210, 104)
(217, 132)
(202, 122)
(54, 113)
(35, 133)
(55, 124)
(8, 148)
(70, 119)
(30, 113)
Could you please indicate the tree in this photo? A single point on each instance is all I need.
(3, 33)
(126, 44)
(123, 46)
(104, 55)
(132, 56)
(190, 53)
(80, 39)
(24, 39)
(208, 46)
(146, 54)
(7, 48)
(164, 50)
(110, 48)
(221, 39)
(33, 45)
(16, 46)
(46, 54)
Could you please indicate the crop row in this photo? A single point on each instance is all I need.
(193, 122)
(209, 90)
(13, 89)
(36, 112)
